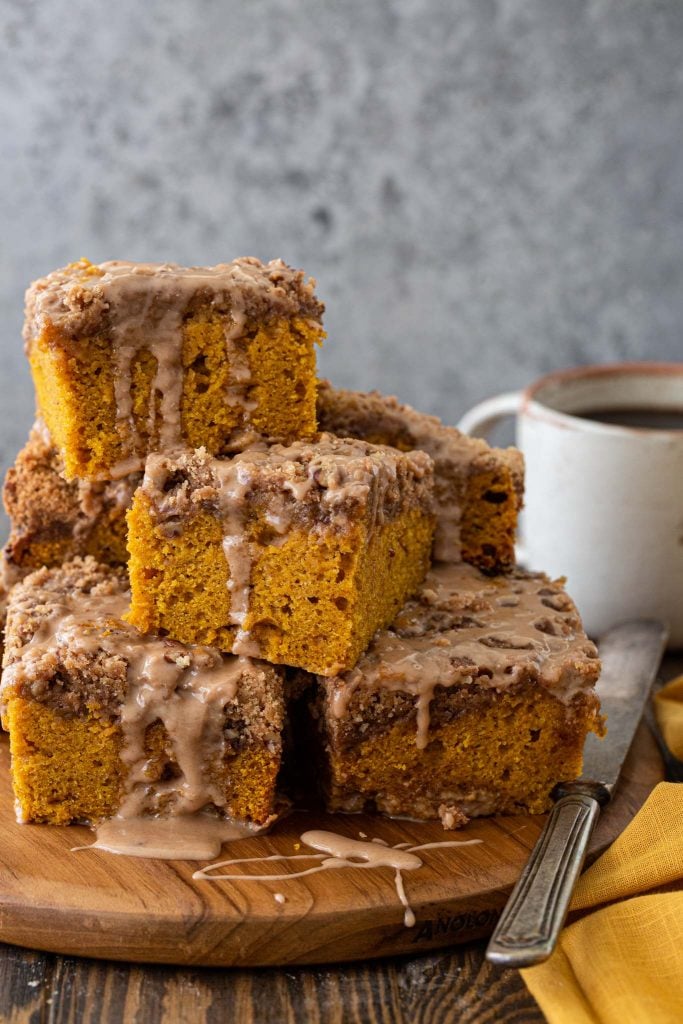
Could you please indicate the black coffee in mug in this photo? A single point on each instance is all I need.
(647, 419)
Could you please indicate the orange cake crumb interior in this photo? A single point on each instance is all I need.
(315, 600)
(76, 391)
(489, 519)
(69, 768)
(63, 767)
(510, 753)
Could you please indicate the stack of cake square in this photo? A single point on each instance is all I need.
(210, 547)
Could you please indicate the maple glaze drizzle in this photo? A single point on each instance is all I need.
(337, 852)
(463, 626)
(186, 690)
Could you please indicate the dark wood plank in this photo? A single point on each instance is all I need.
(24, 983)
(444, 988)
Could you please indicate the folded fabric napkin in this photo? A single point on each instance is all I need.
(669, 711)
(623, 963)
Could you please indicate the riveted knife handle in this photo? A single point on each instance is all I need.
(527, 930)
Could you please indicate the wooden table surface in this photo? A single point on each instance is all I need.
(447, 987)
(442, 988)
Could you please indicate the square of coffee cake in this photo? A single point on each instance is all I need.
(476, 701)
(477, 489)
(129, 358)
(294, 554)
(102, 718)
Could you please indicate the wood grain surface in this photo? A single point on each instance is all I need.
(456, 987)
(94, 904)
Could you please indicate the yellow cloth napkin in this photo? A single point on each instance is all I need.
(623, 963)
(669, 711)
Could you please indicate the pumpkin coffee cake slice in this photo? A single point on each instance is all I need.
(129, 358)
(53, 520)
(294, 554)
(476, 701)
(478, 490)
(104, 720)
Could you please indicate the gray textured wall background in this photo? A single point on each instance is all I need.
(485, 189)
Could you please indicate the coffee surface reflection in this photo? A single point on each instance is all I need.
(648, 419)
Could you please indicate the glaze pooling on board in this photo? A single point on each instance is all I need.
(336, 853)
(193, 836)
(464, 627)
(144, 306)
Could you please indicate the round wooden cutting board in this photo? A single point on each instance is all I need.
(94, 904)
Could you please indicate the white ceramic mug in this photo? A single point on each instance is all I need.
(604, 502)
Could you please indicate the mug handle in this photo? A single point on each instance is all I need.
(480, 421)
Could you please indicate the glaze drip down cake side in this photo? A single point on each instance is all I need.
(104, 720)
(129, 358)
(210, 551)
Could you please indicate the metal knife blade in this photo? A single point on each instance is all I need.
(630, 655)
(527, 930)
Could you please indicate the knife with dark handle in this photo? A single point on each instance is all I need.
(527, 930)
